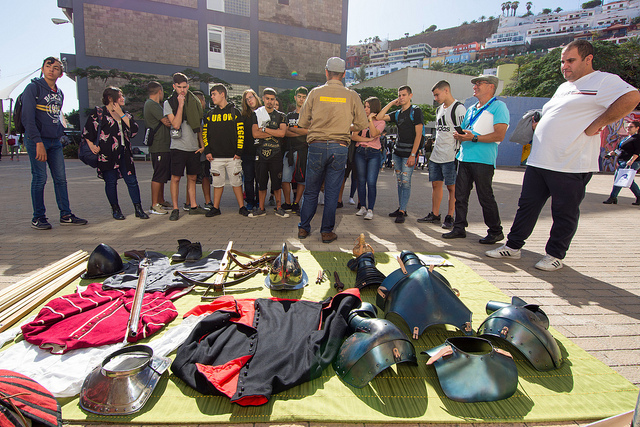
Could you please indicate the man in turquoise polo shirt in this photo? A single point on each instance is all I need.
(485, 126)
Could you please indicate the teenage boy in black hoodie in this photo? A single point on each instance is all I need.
(41, 109)
(223, 137)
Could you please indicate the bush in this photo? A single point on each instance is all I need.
(70, 151)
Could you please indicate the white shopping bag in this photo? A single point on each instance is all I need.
(624, 177)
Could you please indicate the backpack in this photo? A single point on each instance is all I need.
(411, 110)
(17, 111)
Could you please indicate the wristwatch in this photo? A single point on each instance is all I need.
(475, 138)
(412, 155)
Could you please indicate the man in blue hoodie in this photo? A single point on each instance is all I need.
(41, 109)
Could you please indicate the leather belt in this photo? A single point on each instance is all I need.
(334, 141)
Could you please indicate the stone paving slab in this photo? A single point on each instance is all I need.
(594, 299)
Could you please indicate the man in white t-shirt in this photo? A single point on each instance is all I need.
(565, 151)
(442, 165)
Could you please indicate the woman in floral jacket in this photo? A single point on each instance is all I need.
(113, 147)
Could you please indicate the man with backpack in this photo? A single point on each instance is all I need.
(442, 164)
(409, 121)
(41, 107)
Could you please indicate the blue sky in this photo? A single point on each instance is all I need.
(27, 35)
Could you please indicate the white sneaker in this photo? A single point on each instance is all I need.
(158, 209)
(369, 214)
(362, 211)
(504, 251)
(549, 263)
(351, 201)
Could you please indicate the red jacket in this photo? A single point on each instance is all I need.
(96, 317)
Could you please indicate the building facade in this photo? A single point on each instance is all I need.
(247, 43)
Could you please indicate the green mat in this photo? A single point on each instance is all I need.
(582, 389)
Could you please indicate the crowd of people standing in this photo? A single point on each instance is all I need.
(302, 155)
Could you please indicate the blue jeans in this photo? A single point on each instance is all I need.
(325, 162)
(403, 174)
(634, 187)
(55, 160)
(111, 183)
(368, 166)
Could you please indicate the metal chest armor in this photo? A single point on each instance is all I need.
(374, 345)
(470, 369)
(422, 298)
(525, 326)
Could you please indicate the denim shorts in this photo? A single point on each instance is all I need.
(443, 172)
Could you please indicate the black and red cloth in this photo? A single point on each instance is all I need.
(250, 349)
(20, 396)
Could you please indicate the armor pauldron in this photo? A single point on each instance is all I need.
(470, 369)
(525, 326)
(374, 345)
(422, 298)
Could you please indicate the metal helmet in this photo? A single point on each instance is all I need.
(286, 273)
(104, 261)
(124, 381)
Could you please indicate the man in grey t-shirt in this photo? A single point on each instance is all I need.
(184, 111)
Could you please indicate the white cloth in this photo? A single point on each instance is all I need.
(444, 146)
(63, 375)
(559, 142)
(262, 115)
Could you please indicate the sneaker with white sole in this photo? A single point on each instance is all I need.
(362, 211)
(549, 263)
(369, 214)
(504, 251)
(351, 201)
(281, 213)
(256, 212)
(158, 209)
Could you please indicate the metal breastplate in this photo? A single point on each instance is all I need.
(374, 345)
(525, 326)
(422, 298)
(470, 369)
(124, 381)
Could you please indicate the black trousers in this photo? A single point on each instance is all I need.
(481, 175)
(567, 190)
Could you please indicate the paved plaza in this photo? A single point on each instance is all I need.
(594, 300)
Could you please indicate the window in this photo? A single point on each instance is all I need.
(215, 5)
(216, 46)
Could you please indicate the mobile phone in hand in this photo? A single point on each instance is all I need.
(459, 130)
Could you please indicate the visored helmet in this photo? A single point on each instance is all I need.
(286, 273)
(104, 261)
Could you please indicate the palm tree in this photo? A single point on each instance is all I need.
(482, 18)
(508, 6)
(514, 6)
(528, 5)
(504, 6)
(558, 10)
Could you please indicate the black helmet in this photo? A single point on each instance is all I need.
(104, 261)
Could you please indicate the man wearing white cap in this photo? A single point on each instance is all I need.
(331, 112)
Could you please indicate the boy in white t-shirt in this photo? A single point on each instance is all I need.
(565, 151)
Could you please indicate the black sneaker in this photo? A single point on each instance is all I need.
(295, 208)
(340, 205)
(40, 224)
(71, 219)
(198, 210)
(207, 206)
(287, 207)
(430, 218)
(186, 207)
(400, 219)
(397, 213)
(243, 211)
(448, 222)
(175, 215)
(213, 212)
